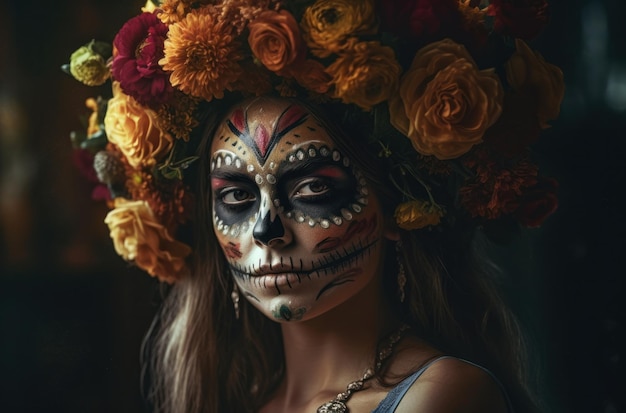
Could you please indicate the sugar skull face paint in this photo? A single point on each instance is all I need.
(294, 217)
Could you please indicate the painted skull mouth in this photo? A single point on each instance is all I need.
(295, 271)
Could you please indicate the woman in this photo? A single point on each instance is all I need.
(343, 160)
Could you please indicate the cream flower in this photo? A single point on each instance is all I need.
(88, 64)
(529, 74)
(445, 103)
(139, 237)
(133, 129)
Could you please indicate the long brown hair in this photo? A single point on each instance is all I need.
(202, 359)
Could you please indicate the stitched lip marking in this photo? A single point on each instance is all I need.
(284, 275)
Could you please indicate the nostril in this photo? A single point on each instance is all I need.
(266, 230)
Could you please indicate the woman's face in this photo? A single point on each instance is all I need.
(294, 217)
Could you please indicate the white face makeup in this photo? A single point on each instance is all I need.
(294, 218)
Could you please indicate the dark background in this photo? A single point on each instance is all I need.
(72, 313)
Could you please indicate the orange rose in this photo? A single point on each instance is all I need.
(365, 75)
(445, 103)
(529, 74)
(328, 24)
(312, 75)
(139, 237)
(275, 40)
(133, 129)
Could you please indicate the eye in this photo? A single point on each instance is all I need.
(236, 197)
(312, 189)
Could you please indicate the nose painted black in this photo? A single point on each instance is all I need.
(265, 230)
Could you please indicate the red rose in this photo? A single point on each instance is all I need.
(519, 18)
(538, 203)
(139, 45)
(496, 190)
(420, 18)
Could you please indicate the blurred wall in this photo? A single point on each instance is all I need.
(72, 314)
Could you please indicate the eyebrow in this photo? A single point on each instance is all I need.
(229, 174)
(306, 167)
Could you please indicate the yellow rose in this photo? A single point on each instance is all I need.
(133, 129)
(445, 103)
(365, 75)
(327, 24)
(528, 73)
(139, 237)
(417, 214)
(275, 40)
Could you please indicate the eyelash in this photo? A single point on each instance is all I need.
(315, 196)
(236, 205)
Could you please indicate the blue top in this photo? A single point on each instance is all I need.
(395, 395)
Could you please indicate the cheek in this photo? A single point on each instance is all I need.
(232, 237)
(360, 230)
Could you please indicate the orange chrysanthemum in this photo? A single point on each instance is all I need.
(173, 11)
(168, 199)
(238, 13)
(177, 116)
(203, 56)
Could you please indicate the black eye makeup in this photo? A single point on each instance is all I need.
(316, 188)
(316, 185)
(235, 196)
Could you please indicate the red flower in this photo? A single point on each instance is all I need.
(519, 18)
(139, 45)
(420, 18)
(83, 160)
(538, 203)
(496, 190)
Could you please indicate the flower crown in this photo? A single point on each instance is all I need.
(449, 91)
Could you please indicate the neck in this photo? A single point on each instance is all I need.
(323, 355)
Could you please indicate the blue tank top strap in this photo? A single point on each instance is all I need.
(395, 395)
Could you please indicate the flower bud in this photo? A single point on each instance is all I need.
(109, 168)
(88, 64)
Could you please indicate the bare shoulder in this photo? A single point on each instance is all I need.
(451, 385)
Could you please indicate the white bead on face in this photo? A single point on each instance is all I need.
(293, 216)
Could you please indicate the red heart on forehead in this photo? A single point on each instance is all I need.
(261, 139)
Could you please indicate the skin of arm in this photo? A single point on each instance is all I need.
(453, 386)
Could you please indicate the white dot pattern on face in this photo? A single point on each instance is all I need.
(299, 155)
(346, 214)
(233, 230)
(220, 160)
